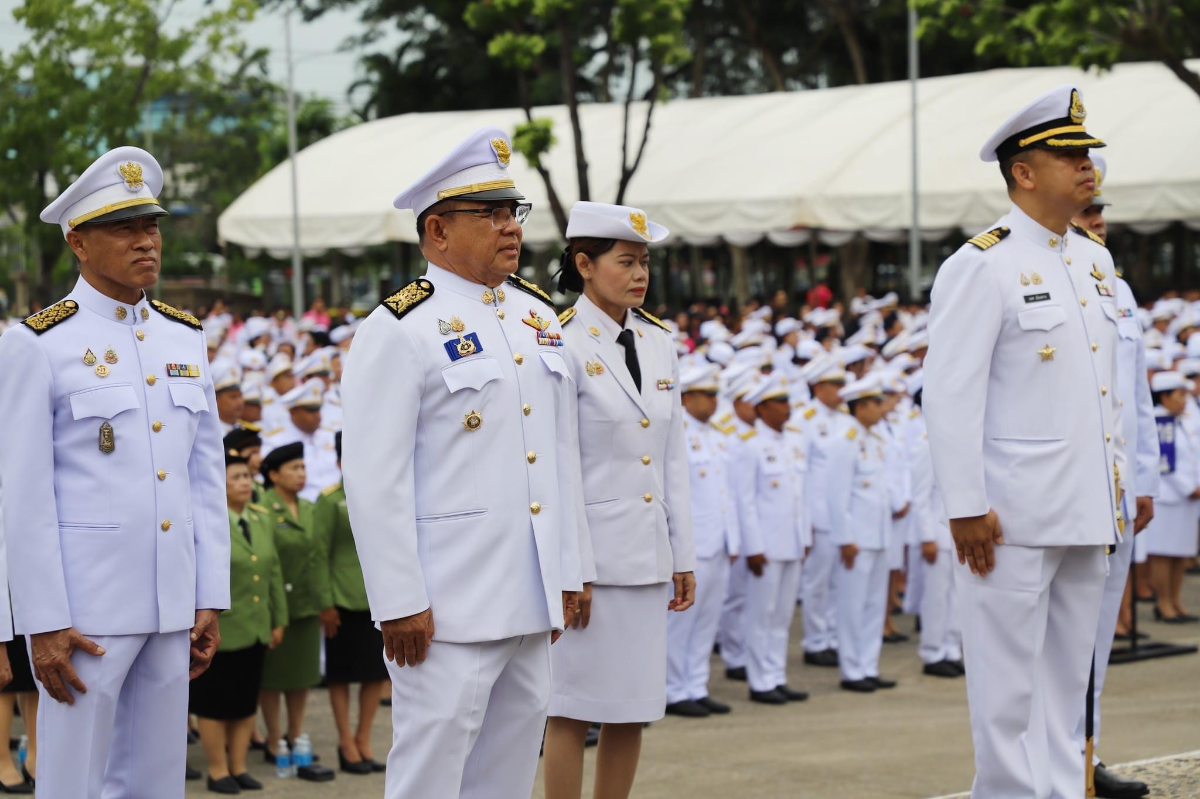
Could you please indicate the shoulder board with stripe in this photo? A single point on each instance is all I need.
(989, 239)
(566, 316)
(915, 413)
(1085, 232)
(843, 408)
(333, 489)
(793, 428)
(251, 426)
(749, 434)
(408, 297)
(530, 288)
(810, 413)
(1118, 273)
(654, 320)
(47, 318)
(722, 428)
(274, 432)
(175, 314)
(852, 433)
(258, 508)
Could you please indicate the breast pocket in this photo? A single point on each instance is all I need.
(189, 396)
(1043, 318)
(471, 374)
(103, 402)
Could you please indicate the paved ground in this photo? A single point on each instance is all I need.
(914, 741)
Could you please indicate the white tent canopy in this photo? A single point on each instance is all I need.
(770, 165)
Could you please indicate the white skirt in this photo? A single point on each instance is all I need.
(1174, 531)
(615, 671)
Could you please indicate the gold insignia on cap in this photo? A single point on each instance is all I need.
(473, 421)
(1077, 112)
(638, 222)
(1047, 352)
(503, 152)
(131, 172)
(89, 358)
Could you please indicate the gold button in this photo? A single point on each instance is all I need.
(1068, 260)
(526, 409)
(866, 483)
(703, 473)
(646, 460)
(254, 558)
(531, 456)
(166, 525)
(1107, 438)
(499, 313)
(535, 508)
(1104, 391)
(255, 599)
(645, 423)
(1120, 403)
(519, 358)
(256, 578)
(1094, 346)
(162, 475)
(151, 379)
(156, 427)
(1053, 241)
(774, 484)
(648, 497)
(145, 314)
(141, 336)
(1083, 302)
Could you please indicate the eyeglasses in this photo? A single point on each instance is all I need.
(501, 215)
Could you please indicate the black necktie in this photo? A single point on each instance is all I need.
(245, 529)
(625, 339)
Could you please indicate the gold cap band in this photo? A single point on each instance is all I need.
(108, 209)
(491, 185)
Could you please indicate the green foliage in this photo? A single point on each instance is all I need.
(534, 139)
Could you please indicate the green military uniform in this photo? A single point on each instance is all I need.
(295, 664)
(258, 602)
(339, 574)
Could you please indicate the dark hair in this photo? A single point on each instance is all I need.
(1156, 397)
(854, 403)
(337, 443)
(1007, 164)
(569, 278)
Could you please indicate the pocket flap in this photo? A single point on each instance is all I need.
(555, 363)
(103, 402)
(188, 395)
(1047, 317)
(1110, 311)
(473, 373)
(1129, 329)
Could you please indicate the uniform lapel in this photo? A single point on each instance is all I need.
(613, 356)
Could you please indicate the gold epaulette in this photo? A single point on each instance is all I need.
(810, 413)
(251, 426)
(331, 489)
(1085, 232)
(47, 318)
(566, 316)
(749, 434)
(852, 433)
(844, 408)
(725, 430)
(530, 288)
(726, 418)
(409, 297)
(274, 432)
(989, 239)
(1118, 273)
(793, 428)
(258, 508)
(915, 413)
(176, 315)
(654, 320)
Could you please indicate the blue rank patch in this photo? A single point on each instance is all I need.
(466, 344)
(1104, 291)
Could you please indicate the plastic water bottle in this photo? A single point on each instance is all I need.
(303, 755)
(23, 750)
(283, 760)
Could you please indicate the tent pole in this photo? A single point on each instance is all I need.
(914, 234)
(297, 264)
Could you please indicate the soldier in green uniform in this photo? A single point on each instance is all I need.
(225, 697)
(353, 647)
(295, 666)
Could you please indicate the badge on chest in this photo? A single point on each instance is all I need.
(466, 344)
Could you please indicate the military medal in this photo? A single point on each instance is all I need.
(666, 383)
(108, 441)
(593, 331)
(110, 356)
(541, 325)
(591, 370)
(1096, 273)
(488, 297)
(444, 327)
(473, 421)
(1024, 280)
(101, 370)
(1037, 279)
(1104, 290)
(1047, 352)
(467, 344)
(500, 294)
(89, 358)
(183, 370)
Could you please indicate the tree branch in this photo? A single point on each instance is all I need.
(556, 206)
(571, 99)
(628, 172)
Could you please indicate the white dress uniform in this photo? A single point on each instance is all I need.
(638, 515)
(1172, 531)
(460, 479)
(731, 630)
(1140, 432)
(772, 471)
(114, 505)
(690, 635)
(6, 620)
(860, 513)
(891, 430)
(1023, 419)
(320, 446)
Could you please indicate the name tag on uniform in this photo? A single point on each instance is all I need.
(1103, 290)
(465, 345)
(1036, 297)
(182, 370)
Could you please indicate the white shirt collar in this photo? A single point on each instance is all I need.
(89, 297)
(606, 322)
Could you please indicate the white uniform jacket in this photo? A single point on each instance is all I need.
(860, 508)
(458, 468)
(823, 425)
(714, 511)
(1133, 395)
(633, 462)
(771, 469)
(113, 471)
(6, 625)
(1020, 384)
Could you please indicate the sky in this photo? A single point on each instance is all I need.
(321, 68)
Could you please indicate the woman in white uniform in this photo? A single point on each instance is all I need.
(638, 554)
(1171, 535)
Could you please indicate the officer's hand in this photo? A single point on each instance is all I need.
(408, 638)
(755, 564)
(570, 607)
(276, 637)
(685, 591)
(330, 621)
(585, 608)
(900, 514)
(5, 666)
(1145, 512)
(929, 552)
(975, 539)
(849, 553)
(733, 559)
(51, 656)
(206, 637)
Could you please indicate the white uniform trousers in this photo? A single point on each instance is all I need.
(820, 625)
(469, 720)
(770, 605)
(862, 594)
(690, 635)
(941, 635)
(1028, 631)
(1106, 628)
(914, 579)
(731, 632)
(123, 738)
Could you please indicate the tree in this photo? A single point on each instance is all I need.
(1095, 33)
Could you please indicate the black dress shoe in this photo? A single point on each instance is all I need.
(1113, 787)
(688, 709)
(20, 787)
(881, 683)
(895, 638)
(248, 783)
(790, 695)
(1188, 618)
(942, 668)
(193, 737)
(958, 664)
(738, 674)
(359, 767)
(258, 745)
(827, 658)
(224, 785)
(28, 777)
(593, 736)
(719, 708)
(858, 686)
(190, 773)
(1151, 598)
(376, 766)
(772, 697)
